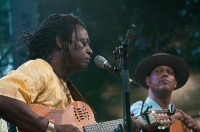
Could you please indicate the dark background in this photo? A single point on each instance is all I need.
(171, 26)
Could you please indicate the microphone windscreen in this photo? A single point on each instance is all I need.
(99, 61)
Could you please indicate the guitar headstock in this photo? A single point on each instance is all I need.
(163, 118)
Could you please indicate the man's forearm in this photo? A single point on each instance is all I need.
(19, 114)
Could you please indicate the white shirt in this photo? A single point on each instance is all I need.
(3, 125)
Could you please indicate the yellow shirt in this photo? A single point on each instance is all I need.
(35, 82)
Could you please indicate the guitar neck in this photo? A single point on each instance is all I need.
(110, 126)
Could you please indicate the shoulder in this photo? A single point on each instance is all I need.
(136, 107)
(137, 104)
(36, 68)
(37, 62)
(35, 65)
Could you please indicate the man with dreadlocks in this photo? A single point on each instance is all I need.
(58, 48)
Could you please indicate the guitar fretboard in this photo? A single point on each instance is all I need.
(108, 126)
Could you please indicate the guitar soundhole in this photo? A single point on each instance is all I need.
(81, 114)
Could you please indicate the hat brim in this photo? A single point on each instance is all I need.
(179, 65)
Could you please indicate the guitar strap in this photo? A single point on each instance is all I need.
(142, 107)
(76, 94)
(11, 128)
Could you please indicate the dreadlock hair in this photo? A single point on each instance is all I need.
(42, 43)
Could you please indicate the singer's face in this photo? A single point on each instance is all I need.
(162, 78)
(80, 51)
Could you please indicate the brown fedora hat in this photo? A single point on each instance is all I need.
(146, 66)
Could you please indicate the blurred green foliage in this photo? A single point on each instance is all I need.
(5, 54)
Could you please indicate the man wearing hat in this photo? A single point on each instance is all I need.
(161, 74)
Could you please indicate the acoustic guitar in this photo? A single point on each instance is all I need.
(80, 115)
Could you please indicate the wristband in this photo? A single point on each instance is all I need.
(50, 127)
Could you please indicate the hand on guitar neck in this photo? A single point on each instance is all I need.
(187, 120)
(160, 119)
(155, 120)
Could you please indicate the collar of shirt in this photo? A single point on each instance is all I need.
(151, 102)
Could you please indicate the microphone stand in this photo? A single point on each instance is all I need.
(122, 51)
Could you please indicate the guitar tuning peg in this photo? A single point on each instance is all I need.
(172, 108)
(159, 127)
(163, 127)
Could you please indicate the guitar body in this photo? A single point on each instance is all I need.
(178, 126)
(78, 114)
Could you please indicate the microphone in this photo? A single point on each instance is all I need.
(101, 62)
